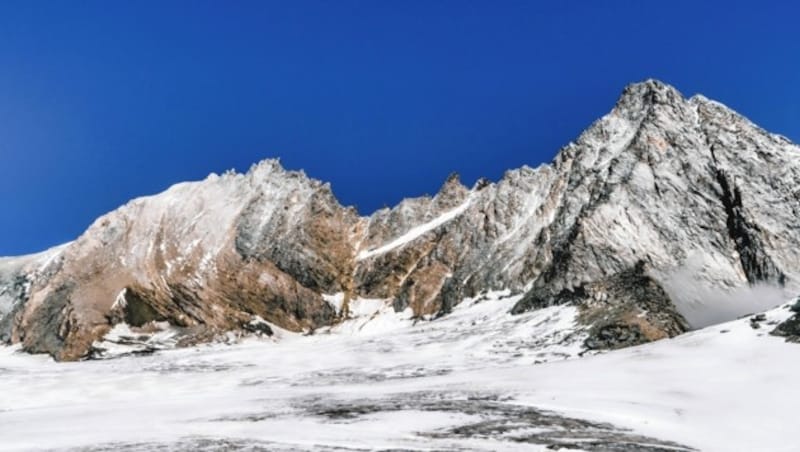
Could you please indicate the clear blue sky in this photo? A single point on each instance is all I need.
(104, 101)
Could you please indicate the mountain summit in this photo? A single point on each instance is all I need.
(659, 185)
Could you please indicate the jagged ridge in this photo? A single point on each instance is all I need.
(659, 179)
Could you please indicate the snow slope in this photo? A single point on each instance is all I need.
(417, 231)
(479, 379)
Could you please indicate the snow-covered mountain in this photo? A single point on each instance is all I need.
(646, 224)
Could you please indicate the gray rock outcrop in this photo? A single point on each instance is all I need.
(658, 180)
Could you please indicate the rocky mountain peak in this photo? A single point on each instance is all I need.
(657, 182)
(453, 179)
(267, 166)
(648, 93)
(452, 192)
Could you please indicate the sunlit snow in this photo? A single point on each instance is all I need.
(418, 231)
(478, 379)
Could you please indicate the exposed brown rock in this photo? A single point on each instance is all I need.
(659, 177)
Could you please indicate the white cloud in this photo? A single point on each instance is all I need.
(703, 305)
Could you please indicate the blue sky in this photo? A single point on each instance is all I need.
(104, 101)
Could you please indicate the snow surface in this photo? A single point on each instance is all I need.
(415, 386)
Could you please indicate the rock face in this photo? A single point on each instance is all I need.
(658, 180)
(790, 328)
(623, 309)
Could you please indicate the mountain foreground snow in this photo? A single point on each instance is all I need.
(479, 379)
(255, 312)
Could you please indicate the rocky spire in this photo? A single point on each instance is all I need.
(452, 192)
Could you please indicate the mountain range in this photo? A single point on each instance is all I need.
(667, 214)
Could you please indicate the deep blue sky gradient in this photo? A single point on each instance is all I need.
(104, 101)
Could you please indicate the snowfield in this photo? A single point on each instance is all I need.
(478, 379)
